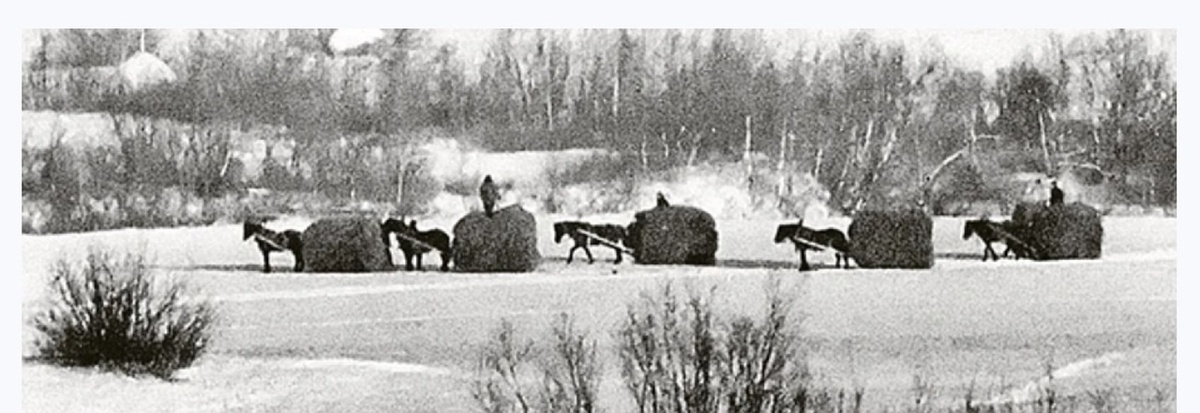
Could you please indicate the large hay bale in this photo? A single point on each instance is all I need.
(892, 239)
(1060, 231)
(673, 235)
(505, 242)
(345, 244)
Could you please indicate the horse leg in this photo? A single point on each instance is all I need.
(445, 261)
(588, 251)
(299, 256)
(618, 260)
(420, 264)
(804, 260)
(267, 261)
(571, 255)
(408, 260)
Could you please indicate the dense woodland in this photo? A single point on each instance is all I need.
(863, 116)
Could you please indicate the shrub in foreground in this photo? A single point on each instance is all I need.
(683, 356)
(112, 313)
(516, 376)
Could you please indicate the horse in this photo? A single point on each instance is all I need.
(416, 244)
(990, 232)
(270, 241)
(831, 238)
(614, 233)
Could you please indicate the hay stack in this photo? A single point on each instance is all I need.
(892, 239)
(673, 235)
(143, 69)
(345, 244)
(1061, 231)
(506, 242)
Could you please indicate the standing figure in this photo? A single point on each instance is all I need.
(489, 193)
(1056, 194)
(662, 201)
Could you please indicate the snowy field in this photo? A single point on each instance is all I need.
(408, 341)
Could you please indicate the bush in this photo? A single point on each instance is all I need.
(569, 375)
(684, 357)
(113, 314)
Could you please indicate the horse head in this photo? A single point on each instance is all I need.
(560, 229)
(973, 226)
(249, 228)
(786, 231)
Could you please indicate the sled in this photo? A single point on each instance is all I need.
(1010, 238)
(605, 241)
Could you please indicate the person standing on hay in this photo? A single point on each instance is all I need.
(661, 202)
(489, 193)
(1056, 194)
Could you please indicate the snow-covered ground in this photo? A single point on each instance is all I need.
(408, 341)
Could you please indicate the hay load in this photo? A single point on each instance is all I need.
(345, 244)
(669, 234)
(892, 239)
(1065, 231)
(505, 242)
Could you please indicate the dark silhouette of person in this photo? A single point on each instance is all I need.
(489, 193)
(1056, 194)
(662, 201)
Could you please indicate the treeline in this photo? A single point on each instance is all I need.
(870, 119)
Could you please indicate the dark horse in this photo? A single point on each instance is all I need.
(416, 243)
(1007, 232)
(270, 241)
(831, 238)
(614, 233)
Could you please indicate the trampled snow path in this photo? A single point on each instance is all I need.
(1034, 389)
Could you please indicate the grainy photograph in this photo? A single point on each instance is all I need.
(587, 220)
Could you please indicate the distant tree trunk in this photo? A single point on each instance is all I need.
(781, 190)
(1045, 149)
(666, 148)
(549, 112)
(746, 155)
(616, 105)
(645, 162)
(400, 184)
(817, 164)
(695, 148)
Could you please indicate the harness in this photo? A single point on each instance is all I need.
(270, 242)
(1010, 238)
(604, 241)
(808, 243)
(419, 243)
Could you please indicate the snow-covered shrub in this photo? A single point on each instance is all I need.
(117, 315)
(682, 355)
(569, 371)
